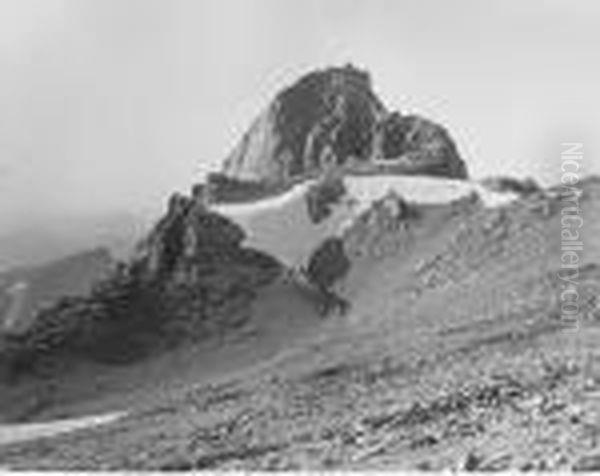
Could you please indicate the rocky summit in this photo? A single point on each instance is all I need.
(333, 118)
(341, 295)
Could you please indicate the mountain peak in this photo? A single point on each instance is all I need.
(331, 118)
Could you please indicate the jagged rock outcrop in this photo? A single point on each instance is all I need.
(328, 264)
(323, 195)
(381, 229)
(332, 118)
(189, 279)
(415, 145)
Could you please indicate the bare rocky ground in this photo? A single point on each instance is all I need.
(453, 356)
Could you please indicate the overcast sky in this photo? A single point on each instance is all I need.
(113, 104)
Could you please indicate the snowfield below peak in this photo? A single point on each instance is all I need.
(281, 225)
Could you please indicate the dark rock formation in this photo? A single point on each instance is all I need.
(328, 265)
(327, 116)
(415, 145)
(523, 187)
(322, 195)
(188, 280)
(332, 118)
(394, 130)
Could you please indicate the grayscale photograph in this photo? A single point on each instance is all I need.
(299, 235)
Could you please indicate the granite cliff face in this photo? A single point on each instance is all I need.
(332, 118)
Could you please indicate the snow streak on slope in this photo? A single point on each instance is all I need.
(31, 431)
(282, 227)
(17, 295)
(421, 189)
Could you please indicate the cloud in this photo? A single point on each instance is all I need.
(5, 170)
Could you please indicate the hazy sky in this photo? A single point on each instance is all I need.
(113, 104)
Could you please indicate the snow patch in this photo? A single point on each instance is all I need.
(31, 431)
(281, 226)
(17, 294)
(421, 190)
